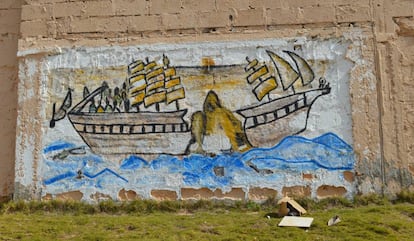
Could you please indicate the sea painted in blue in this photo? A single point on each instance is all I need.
(294, 154)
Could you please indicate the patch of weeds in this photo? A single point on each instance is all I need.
(379, 230)
(405, 196)
(364, 200)
(253, 206)
(169, 206)
(270, 202)
(108, 207)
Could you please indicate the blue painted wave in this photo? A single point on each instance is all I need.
(294, 154)
(58, 145)
(298, 153)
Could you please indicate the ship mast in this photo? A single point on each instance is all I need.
(175, 90)
(155, 91)
(136, 83)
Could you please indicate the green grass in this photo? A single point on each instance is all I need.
(364, 218)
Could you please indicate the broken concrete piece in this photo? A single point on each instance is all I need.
(334, 220)
(301, 222)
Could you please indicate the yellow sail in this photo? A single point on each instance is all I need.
(137, 98)
(257, 74)
(153, 98)
(136, 78)
(263, 88)
(251, 64)
(154, 73)
(286, 73)
(305, 71)
(172, 82)
(169, 72)
(175, 95)
(155, 85)
(135, 67)
(150, 65)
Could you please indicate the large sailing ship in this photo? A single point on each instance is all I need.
(131, 120)
(272, 119)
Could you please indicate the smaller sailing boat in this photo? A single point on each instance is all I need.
(267, 123)
(125, 121)
(61, 113)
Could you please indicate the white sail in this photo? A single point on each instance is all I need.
(305, 71)
(286, 73)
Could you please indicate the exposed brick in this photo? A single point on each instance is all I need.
(307, 3)
(192, 193)
(318, 14)
(33, 28)
(347, 13)
(330, 191)
(266, 4)
(307, 176)
(8, 4)
(402, 9)
(199, 6)
(98, 8)
(36, 12)
(34, 2)
(178, 21)
(110, 24)
(282, 16)
(144, 23)
(72, 9)
(212, 19)
(252, 17)
(73, 195)
(130, 7)
(128, 195)
(47, 197)
(365, 3)
(349, 176)
(234, 194)
(261, 194)
(297, 191)
(9, 21)
(411, 169)
(100, 196)
(238, 5)
(205, 193)
(162, 195)
(165, 6)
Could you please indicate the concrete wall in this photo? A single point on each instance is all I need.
(379, 34)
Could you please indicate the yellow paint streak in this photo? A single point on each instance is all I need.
(207, 61)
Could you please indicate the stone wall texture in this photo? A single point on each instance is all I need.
(381, 83)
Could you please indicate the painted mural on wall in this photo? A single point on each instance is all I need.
(217, 116)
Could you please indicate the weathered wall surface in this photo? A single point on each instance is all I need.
(376, 68)
(9, 30)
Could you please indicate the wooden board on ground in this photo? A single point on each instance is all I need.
(291, 221)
